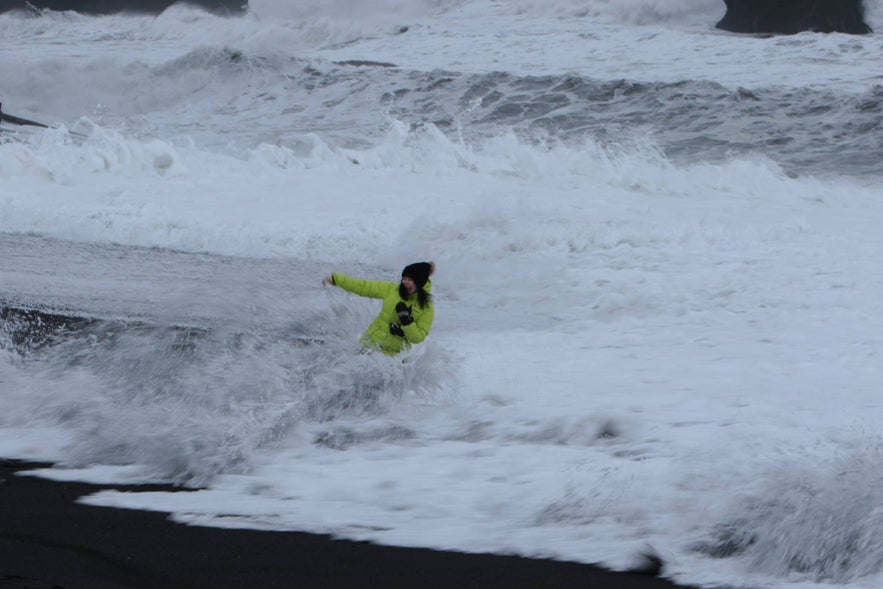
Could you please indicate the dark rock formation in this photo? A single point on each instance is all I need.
(4, 118)
(113, 6)
(793, 16)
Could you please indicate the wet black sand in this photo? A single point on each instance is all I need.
(48, 541)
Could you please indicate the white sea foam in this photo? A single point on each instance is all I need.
(629, 348)
(116, 189)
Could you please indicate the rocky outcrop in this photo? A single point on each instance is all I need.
(113, 6)
(793, 16)
(5, 118)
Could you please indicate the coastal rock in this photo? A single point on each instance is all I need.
(793, 16)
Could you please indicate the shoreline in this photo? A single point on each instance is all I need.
(49, 541)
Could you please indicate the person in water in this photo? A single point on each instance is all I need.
(406, 313)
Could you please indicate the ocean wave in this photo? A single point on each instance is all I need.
(271, 99)
(132, 191)
(187, 404)
(351, 9)
(819, 520)
(635, 12)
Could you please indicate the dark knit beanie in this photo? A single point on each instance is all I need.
(419, 272)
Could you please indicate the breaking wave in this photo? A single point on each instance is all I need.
(821, 522)
(188, 403)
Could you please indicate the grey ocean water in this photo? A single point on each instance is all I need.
(185, 362)
(237, 100)
(189, 364)
(189, 306)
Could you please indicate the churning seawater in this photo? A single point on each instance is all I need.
(656, 246)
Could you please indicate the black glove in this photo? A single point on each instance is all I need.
(396, 329)
(404, 313)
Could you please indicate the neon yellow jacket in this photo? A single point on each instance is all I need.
(377, 335)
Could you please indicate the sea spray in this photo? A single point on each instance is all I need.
(187, 404)
(819, 520)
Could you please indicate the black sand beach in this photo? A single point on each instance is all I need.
(48, 541)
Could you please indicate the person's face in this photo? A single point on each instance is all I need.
(409, 285)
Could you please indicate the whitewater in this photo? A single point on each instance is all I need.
(658, 314)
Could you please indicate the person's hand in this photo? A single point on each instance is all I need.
(404, 313)
(396, 329)
(327, 280)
